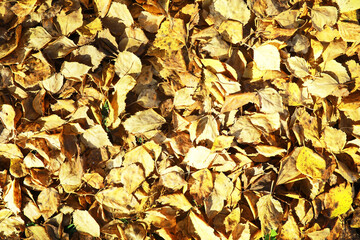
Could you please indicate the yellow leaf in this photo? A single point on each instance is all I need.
(231, 9)
(349, 32)
(177, 200)
(338, 200)
(95, 180)
(310, 163)
(171, 35)
(201, 184)
(270, 213)
(102, 7)
(127, 63)
(118, 199)
(95, 137)
(348, 5)
(298, 66)
(334, 139)
(85, 223)
(322, 86)
(69, 22)
(198, 157)
(10, 151)
(37, 233)
(201, 228)
(222, 142)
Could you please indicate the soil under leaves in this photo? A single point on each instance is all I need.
(159, 119)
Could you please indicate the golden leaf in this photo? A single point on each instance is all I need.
(310, 163)
(85, 223)
(338, 200)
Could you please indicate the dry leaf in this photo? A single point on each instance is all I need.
(270, 101)
(69, 22)
(144, 121)
(201, 184)
(95, 137)
(127, 63)
(201, 228)
(48, 202)
(198, 157)
(338, 200)
(324, 15)
(310, 163)
(237, 100)
(298, 67)
(334, 139)
(270, 213)
(85, 223)
(267, 57)
(231, 9)
(177, 200)
(322, 86)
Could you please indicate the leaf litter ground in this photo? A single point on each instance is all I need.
(220, 119)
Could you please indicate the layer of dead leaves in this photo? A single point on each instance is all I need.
(213, 119)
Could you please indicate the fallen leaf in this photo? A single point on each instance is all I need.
(48, 202)
(310, 163)
(85, 223)
(177, 200)
(324, 15)
(267, 57)
(338, 200)
(96, 137)
(201, 228)
(144, 121)
(127, 63)
(270, 213)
